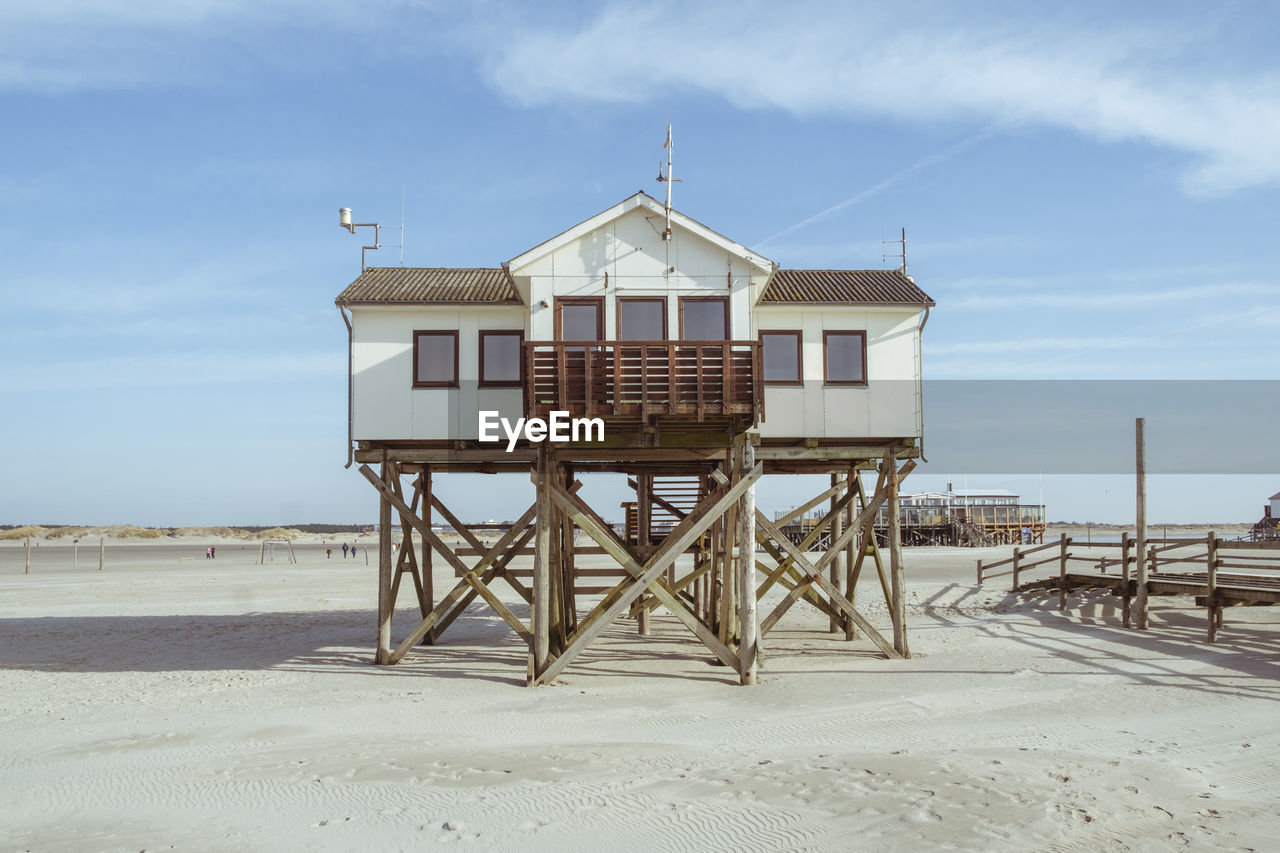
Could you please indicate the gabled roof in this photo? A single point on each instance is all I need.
(644, 200)
(844, 287)
(1275, 497)
(424, 285)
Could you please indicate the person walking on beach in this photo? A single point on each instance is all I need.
(344, 550)
(213, 552)
(207, 555)
(328, 553)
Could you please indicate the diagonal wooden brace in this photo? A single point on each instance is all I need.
(689, 529)
(603, 534)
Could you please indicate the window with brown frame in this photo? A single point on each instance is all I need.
(580, 318)
(844, 357)
(642, 318)
(704, 318)
(435, 359)
(501, 358)
(780, 356)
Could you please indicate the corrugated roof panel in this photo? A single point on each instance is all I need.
(858, 287)
(428, 285)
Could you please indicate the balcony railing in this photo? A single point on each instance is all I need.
(694, 380)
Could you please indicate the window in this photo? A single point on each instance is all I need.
(580, 319)
(501, 358)
(435, 359)
(642, 318)
(704, 318)
(844, 356)
(780, 355)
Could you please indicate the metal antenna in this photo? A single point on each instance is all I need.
(885, 255)
(344, 220)
(668, 180)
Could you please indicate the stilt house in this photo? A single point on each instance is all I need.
(696, 364)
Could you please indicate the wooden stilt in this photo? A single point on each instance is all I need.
(837, 570)
(102, 552)
(851, 581)
(385, 603)
(644, 516)
(897, 582)
(27, 569)
(541, 566)
(567, 548)
(749, 646)
(427, 562)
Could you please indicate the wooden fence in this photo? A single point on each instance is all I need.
(1218, 572)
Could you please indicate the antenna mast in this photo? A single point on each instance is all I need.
(668, 180)
(901, 254)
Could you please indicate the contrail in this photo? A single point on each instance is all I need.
(883, 185)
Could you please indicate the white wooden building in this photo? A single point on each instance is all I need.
(706, 367)
(838, 353)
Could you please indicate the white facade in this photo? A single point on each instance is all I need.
(386, 406)
(621, 253)
(887, 406)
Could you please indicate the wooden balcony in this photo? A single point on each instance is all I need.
(689, 380)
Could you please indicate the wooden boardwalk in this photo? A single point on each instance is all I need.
(1235, 573)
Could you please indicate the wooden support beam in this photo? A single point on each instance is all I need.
(446, 603)
(542, 565)
(851, 576)
(382, 656)
(837, 569)
(897, 579)
(644, 521)
(815, 576)
(599, 531)
(689, 529)
(749, 627)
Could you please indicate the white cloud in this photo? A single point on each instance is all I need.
(1140, 81)
(180, 368)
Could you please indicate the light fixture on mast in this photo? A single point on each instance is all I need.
(344, 220)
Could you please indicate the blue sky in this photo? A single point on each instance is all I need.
(1089, 193)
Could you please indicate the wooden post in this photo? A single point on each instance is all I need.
(1017, 559)
(644, 521)
(837, 570)
(385, 604)
(541, 566)
(102, 552)
(1211, 591)
(1126, 543)
(567, 546)
(749, 646)
(27, 570)
(1140, 428)
(897, 580)
(428, 580)
(979, 571)
(850, 578)
(1064, 542)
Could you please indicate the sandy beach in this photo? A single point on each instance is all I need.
(171, 701)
